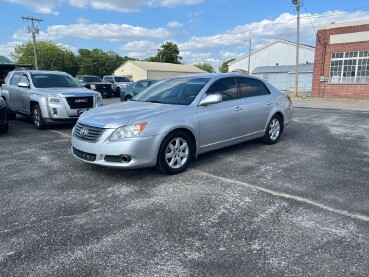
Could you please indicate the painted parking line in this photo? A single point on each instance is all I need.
(61, 133)
(355, 216)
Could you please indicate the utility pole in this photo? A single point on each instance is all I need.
(297, 3)
(34, 30)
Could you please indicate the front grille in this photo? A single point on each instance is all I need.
(87, 133)
(84, 156)
(80, 102)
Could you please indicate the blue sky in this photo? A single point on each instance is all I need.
(204, 30)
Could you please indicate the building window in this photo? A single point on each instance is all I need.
(349, 67)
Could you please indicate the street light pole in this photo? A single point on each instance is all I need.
(297, 3)
(34, 31)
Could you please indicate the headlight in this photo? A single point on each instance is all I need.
(99, 99)
(92, 86)
(128, 131)
(53, 98)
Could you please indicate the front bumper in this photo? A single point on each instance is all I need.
(142, 151)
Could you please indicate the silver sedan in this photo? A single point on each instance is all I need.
(176, 119)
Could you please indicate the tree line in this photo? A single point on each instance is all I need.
(51, 56)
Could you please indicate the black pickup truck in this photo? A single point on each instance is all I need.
(95, 83)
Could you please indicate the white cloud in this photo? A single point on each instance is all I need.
(233, 41)
(228, 55)
(175, 24)
(129, 5)
(139, 49)
(8, 48)
(49, 6)
(111, 32)
(39, 6)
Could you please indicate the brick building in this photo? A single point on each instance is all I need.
(341, 67)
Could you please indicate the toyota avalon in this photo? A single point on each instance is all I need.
(176, 119)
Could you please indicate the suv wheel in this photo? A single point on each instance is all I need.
(37, 119)
(117, 92)
(127, 98)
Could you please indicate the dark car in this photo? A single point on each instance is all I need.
(3, 116)
(133, 89)
(95, 83)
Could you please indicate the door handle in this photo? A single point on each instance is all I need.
(269, 103)
(237, 109)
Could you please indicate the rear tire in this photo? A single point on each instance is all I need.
(175, 153)
(4, 129)
(274, 130)
(37, 119)
(117, 92)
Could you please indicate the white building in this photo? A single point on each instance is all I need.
(138, 70)
(279, 52)
(283, 77)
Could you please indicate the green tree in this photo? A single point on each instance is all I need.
(225, 66)
(167, 53)
(50, 56)
(205, 66)
(98, 62)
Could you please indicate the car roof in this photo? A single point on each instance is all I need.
(41, 71)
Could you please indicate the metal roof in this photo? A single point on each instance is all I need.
(271, 44)
(155, 66)
(303, 68)
(8, 62)
(5, 60)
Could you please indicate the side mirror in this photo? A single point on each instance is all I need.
(23, 85)
(211, 99)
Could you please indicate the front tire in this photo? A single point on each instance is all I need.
(175, 153)
(37, 119)
(274, 130)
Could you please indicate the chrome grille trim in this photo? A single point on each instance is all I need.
(93, 134)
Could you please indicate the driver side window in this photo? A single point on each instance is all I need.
(226, 87)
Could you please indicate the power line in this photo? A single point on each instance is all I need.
(312, 25)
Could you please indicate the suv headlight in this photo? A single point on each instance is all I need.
(128, 131)
(93, 87)
(53, 99)
(99, 101)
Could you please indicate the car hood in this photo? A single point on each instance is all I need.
(82, 91)
(117, 115)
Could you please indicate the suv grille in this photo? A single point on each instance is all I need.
(84, 156)
(80, 102)
(87, 133)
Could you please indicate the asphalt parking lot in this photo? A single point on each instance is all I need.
(297, 208)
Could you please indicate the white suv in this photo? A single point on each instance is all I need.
(48, 97)
(118, 82)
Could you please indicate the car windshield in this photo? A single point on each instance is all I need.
(91, 79)
(54, 81)
(122, 79)
(181, 91)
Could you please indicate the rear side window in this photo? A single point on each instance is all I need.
(226, 87)
(15, 79)
(250, 87)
